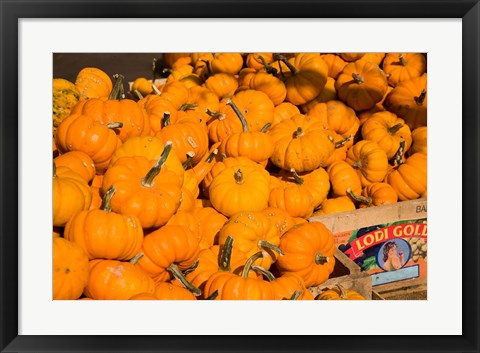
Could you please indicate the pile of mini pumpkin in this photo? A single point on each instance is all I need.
(202, 186)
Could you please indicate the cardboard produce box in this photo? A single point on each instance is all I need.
(388, 242)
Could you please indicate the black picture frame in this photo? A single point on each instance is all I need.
(11, 11)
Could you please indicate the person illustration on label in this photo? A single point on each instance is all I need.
(392, 260)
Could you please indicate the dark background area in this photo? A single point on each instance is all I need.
(130, 65)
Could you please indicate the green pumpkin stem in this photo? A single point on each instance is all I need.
(292, 68)
(359, 198)
(117, 88)
(188, 106)
(263, 244)
(421, 98)
(358, 78)
(173, 268)
(138, 94)
(107, 199)
(191, 268)
(320, 259)
(166, 119)
(239, 177)
(394, 129)
(239, 115)
(135, 259)
(298, 180)
(188, 162)
(268, 68)
(211, 156)
(213, 295)
(54, 170)
(226, 255)
(342, 142)
(147, 181)
(265, 127)
(398, 158)
(249, 263)
(296, 295)
(298, 132)
(268, 275)
(402, 60)
(216, 115)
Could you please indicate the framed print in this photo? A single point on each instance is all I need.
(44, 40)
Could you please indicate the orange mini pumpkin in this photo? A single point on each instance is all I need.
(145, 188)
(244, 188)
(307, 77)
(167, 252)
(302, 143)
(71, 195)
(104, 234)
(361, 85)
(93, 82)
(370, 161)
(117, 280)
(408, 100)
(313, 263)
(403, 66)
(70, 269)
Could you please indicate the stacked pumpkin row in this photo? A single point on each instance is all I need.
(202, 187)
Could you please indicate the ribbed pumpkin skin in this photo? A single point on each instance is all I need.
(234, 287)
(154, 204)
(230, 195)
(419, 136)
(71, 194)
(79, 162)
(383, 128)
(380, 194)
(335, 205)
(93, 83)
(247, 228)
(106, 235)
(285, 285)
(309, 81)
(155, 108)
(342, 177)
(410, 179)
(370, 161)
(365, 91)
(305, 260)
(116, 280)
(65, 97)
(151, 148)
(222, 84)
(403, 66)
(335, 64)
(223, 164)
(84, 133)
(70, 270)
(208, 265)
(301, 143)
(409, 101)
(170, 291)
(125, 111)
(170, 244)
(295, 199)
(272, 86)
(255, 106)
